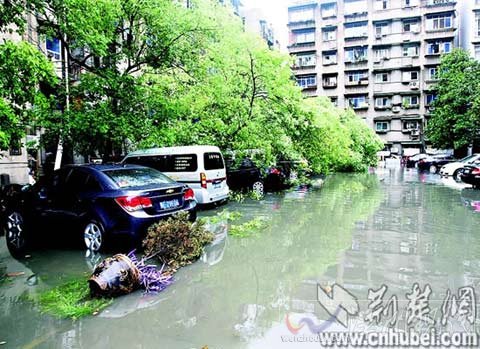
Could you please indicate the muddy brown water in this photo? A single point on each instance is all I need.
(394, 227)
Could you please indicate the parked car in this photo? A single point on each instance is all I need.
(455, 168)
(94, 204)
(247, 176)
(411, 161)
(471, 174)
(201, 167)
(7, 192)
(434, 162)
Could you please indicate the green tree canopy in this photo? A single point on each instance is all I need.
(23, 70)
(456, 118)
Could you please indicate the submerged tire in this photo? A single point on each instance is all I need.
(94, 235)
(16, 234)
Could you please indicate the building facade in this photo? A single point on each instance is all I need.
(470, 27)
(254, 21)
(378, 57)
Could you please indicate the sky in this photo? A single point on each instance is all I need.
(275, 12)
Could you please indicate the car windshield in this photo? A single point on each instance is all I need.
(137, 177)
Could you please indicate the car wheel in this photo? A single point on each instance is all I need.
(94, 236)
(258, 187)
(433, 169)
(456, 175)
(15, 234)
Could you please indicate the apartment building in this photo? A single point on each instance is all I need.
(379, 57)
(254, 21)
(470, 26)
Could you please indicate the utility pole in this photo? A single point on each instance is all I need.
(58, 157)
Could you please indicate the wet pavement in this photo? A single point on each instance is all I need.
(394, 227)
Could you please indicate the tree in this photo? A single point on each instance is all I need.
(23, 70)
(115, 44)
(456, 118)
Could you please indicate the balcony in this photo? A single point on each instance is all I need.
(330, 45)
(432, 34)
(308, 23)
(439, 5)
(304, 70)
(329, 84)
(357, 63)
(301, 47)
(359, 83)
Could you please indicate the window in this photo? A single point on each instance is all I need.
(334, 101)
(382, 126)
(382, 77)
(53, 48)
(329, 34)
(410, 101)
(439, 47)
(329, 10)
(382, 28)
(430, 98)
(381, 53)
(477, 24)
(355, 54)
(329, 57)
(411, 26)
(357, 102)
(355, 30)
(383, 102)
(355, 6)
(410, 76)
(213, 161)
(410, 50)
(308, 60)
(411, 125)
(167, 163)
(432, 73)
(330, 80)
(137, 177)
(301, 15)
(305, 36)
(439, 22)
(357, 76)
(307, 81)
(477, 51)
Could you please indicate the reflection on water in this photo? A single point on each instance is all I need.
(361, 231)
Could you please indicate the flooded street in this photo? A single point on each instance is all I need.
(395, 227)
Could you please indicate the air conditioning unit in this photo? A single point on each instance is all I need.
(396, 109)
(415, 133)
(414, 85)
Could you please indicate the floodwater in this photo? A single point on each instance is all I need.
(394, 227)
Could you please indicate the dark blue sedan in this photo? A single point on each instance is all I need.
(96, 204)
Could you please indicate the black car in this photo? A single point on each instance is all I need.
(94, 204)
(247, 176)
(471, 175)
(433, 163)
(411, 161)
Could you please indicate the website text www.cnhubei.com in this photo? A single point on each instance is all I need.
(390, 339)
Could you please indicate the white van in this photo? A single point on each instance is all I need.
(201, 167)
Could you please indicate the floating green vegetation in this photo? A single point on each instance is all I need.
(248, 228)
(236, 196)
(224, 215)
(71, 300)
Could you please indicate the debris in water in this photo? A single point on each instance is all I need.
(15, 274)
(122, 274)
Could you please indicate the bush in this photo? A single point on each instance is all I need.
(176, 241)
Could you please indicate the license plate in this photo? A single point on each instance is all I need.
(217, 185)
(466, 171)
(166, 205)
